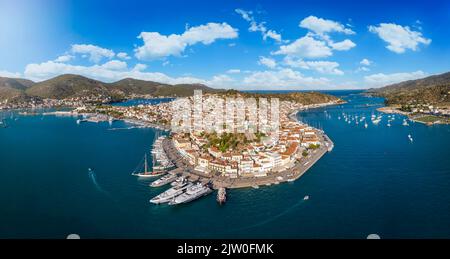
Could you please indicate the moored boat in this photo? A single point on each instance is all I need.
(192, 192)
(171, 193)
(222, 195)
(164, 180)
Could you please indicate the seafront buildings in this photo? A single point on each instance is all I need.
(251, 157)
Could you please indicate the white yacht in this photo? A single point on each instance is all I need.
(171, 193)
(164, 180)
(192, 193)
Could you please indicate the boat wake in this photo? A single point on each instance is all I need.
(93, 178)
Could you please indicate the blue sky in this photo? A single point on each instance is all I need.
(229, 44)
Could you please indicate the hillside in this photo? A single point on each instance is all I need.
(129, 86)
(15, 83)
(181, 90)
(66, 86)
(12, 89)
(305, 98)
(430, 90)
(71, 86)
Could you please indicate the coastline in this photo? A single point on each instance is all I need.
(415, 117)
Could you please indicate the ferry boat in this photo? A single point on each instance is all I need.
(192, 192)
(164, 180)
(221, 195)
(171, 193)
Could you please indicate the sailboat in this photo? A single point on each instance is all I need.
(146, 172)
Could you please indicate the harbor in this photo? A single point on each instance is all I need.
(350, 180)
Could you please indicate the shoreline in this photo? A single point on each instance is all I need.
(415, 118)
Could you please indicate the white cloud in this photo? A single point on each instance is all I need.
(317, 43)
(305, 47)
(160, 46)
(140, 67)
(323, 67)
(365, 62)
(222, 81)
(323, 26)
(64, 58)
(259, 27)
(363, 69)
(378, 80)
(268, 62)
(4, 73)
(123, 55)
(234, 71)
(342, 45)
(95, 53)
(115, 65)
(399, 38)
(286, 78)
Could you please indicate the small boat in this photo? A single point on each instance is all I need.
(306, 198)
(388, 124)
(405, 123)
(410, 137)
(222, 195)
(366, 125)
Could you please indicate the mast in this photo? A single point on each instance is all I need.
(145, 164)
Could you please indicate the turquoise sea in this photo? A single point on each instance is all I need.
(374, 181)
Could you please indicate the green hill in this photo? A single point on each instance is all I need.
(430, 90)
(67, 86)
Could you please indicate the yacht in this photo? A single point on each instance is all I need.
(164, 180)
(171, 193)
(193, 192)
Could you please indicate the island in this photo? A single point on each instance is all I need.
(219, 159)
